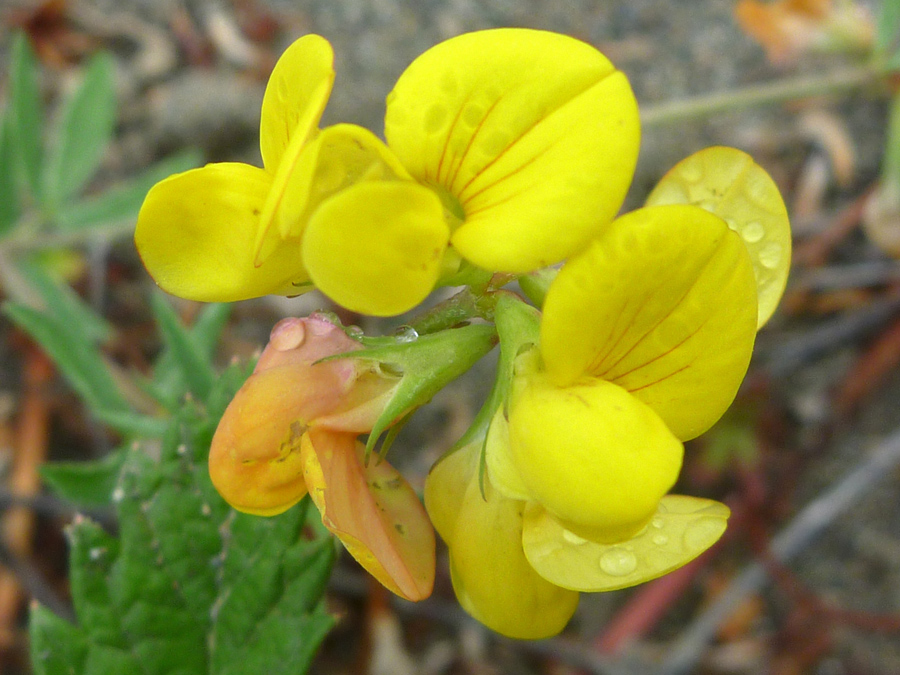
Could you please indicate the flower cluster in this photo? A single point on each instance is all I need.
(506, 152)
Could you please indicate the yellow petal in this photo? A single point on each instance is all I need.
(195, 235)
(372, 510)
(534, 134)
(376, 247)
(491, 577)
(295, 97)
(338, 157)
(593, 455)
(727, 182)
(681, 529)
(501, 466)
(663, 305)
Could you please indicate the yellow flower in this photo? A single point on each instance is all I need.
(530, 138)
(331, 208)
(292, 429)
(509, 148)
(644, 339)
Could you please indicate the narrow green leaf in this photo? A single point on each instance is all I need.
(74, 354)
(132, 424)
(9, 188)
(27, 111)
(57, 647)
(85, 129)
(61, 302)
(193, 364)
(888, 26)
(85, 483)
(121, 204)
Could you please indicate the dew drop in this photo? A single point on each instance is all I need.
(660, 539)
(708, 205)
(691, 171)
(406, 334)
(618, 562)
(472, 114)
(753, 231)
(355, 332)
(657, 523)
(573, 538)
(287, 334)
(703, 533)
(435, 117)
(770, 255)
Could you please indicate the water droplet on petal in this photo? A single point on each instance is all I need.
(753, 231)
(660, 539)
(406, 334)
(657, 523)
(618, 562)
(573, 538)
(770, 255)
(435, 117)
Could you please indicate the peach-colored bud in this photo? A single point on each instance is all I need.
(254, 459)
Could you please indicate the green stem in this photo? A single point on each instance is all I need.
(840, 82)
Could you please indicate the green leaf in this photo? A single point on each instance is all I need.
(85, 483)
(9, 188)
(192, 360)
(133, 424)
(121, 204)
(57, 647)
(888, 26)
(85, 129)
(189, 586)
(27, 111)
(60, 301)
(74, 354)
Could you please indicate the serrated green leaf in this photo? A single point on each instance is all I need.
(9, 188)
(60, 301)
(189, 586)
(27, 111)
(193, 364)
(888, 26)
(74, 354)
(57, 647)
(85, 129)
(120, 204)
(84, 483)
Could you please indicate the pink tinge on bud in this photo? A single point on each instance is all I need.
(254, 460)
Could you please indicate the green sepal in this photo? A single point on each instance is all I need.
(536, 284)
(426, 363)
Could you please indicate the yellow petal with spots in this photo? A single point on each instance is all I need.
(372, 510)
(681, 529)
(533, 135)
(295, 97)
(491, 577)
(664, 306)
(727, 182)
(195, 235)
(593, 455)
(376, 247)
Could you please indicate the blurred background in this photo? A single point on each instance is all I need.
(807, 579)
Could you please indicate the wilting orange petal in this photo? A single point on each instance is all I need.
(372, 510)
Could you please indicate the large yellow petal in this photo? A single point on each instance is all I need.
(727, 182)
(295, 97)
(491, 577)
(195, 235)
(592, 454)
(372, 510)
(376, 247)
(681, 529)
(534, 134)
(663, 305)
